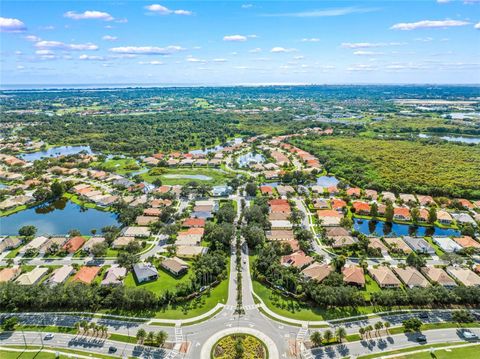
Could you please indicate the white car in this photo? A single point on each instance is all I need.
(48, 336)
(469, 335)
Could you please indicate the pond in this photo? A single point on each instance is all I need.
(380, 228)
(327, 181)
(58, 218)
(218, 148)
(193, 177)
(248, 158)
(470, 140)
(55, 152)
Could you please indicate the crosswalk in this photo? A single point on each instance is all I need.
(230, 307)
(178, 334)
(250, 307)
(302, 333)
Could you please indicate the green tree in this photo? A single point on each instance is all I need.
(415, 213)
(27, 231)
(161, 338)
(374, 210)
(462, 316)
(328, 335)
(9, 324)
(316, 338)
(432, 215)
(251, 189)
(99, 249)
(389, 212)
(414, 260)
(141, 334)
(340, 333)
(57, 188)
(412, 325)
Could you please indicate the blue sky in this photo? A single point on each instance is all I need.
(240, 42)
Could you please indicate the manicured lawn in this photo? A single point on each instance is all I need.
(121, 166)
(165, 281)
(470, 352)
(217, 176)
(370, 287)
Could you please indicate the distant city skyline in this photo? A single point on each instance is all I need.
(240, 43)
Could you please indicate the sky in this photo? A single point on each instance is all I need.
(239, 42)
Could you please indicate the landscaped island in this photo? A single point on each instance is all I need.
(239, 346)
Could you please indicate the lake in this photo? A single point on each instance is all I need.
(246, 159)
(470, 140)
(380, 228)
(58, 218)
(55, 152)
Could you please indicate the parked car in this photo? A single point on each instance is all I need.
(48, 336)
(421, 338)
(423, 315)
(112, 349)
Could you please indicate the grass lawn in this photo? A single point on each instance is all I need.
(470, 352)
(165, 281)
(217, 177)
(370, 287)
(121, 166)
(6, 354)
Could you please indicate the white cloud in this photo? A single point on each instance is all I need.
(278, 49)
(89, 15)
(366, 45)
(11, 25)
(194, 59)
(146, 50)
(366, 53)
(443, 1)
(44, 52)
(32, 38)
(62, 46)
(424, 39)
(48, 27)
(235, 38)
(219, 60)
(326, 12)
(20, 67)
(255, 50)
(361, 67)
(154, 62)
(477, 26)
(247, 6)
(91, 58)
(428, 24)
(311, 39)
(109, 38)
(300, 57)
(163, 10)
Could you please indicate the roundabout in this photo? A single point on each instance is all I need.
(207, 348)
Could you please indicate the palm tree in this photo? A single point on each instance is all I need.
(93, 327)
(378, 326)
(141, 334)
(316, 338)
(328, 335)
(77, 327)
(150, 337)
(361, 331)
(387, 325)
(84, 326)
(340, 333)
(369, 329)
(161, 338)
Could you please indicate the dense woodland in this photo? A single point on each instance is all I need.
(399, 165)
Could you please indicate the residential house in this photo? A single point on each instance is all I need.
(175, 265)
(32, 277)
(281, 224)
(61, 274)
(438, 275)
(193, 223)
(320, 203)
(371, 194)
(114, 275)
(354, 275)
(297, 259)
(74, 244)
(145, 272)
(342, 241)
(155, 212)
(425, 200)
(465, 276)
(142, 232)
(283, 191)
(86, 274)
(411, 277)
(280, 235)
(384, 277)
(145, 220)
(377, 243)
(92, 242)
(388, 196)
(464, 218)
(361, 208)
(397, 245)
(122, 242)
(444, 217)
(419, 245)
(402, 214)
(329, 217)
(221, 191)
(34, 244)
(408, 198)
(9, 243)
(317, 272)
(278, 216)
(447, 244)
(336, 232)
(190, 251)
(9, 274)
(338, 204)
(466, 242)
(354, 192)
(266, 190)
